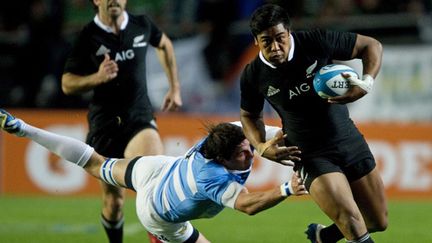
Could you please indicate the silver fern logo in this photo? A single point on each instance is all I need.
(310, 69)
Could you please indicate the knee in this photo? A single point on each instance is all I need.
(113, 203)
(348, 218)
(378, 225)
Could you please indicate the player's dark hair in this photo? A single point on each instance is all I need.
(268, 15)
(222, 140)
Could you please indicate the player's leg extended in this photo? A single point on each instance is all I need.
(369, 194)
(333, 195)
(70, 149)
(146, 142)
(108, 170)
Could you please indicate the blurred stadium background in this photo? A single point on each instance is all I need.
(43, 199)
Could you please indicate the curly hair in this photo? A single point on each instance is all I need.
(222, 140)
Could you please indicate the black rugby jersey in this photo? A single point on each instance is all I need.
(126, 95)
(309, 121)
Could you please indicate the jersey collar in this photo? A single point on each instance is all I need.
(239, 171)
(108, 29)
(290, 54)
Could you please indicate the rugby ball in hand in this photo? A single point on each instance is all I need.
(329, 82)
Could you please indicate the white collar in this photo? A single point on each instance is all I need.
(239, 171)
(290, 54)
(108, 29)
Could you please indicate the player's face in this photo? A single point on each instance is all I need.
(111, 8)
(242, 157)
(274, 44)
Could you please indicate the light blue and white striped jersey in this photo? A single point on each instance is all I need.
(195, 187)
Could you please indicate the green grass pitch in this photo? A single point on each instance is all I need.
(76, 219)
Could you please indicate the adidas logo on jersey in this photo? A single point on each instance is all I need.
(102, 50)
(139, 41)
(272, 91)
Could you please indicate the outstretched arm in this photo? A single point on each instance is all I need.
(255, 202)
(111, 171)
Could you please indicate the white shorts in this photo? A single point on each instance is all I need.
(146, 173)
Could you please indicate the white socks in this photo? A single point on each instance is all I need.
(68, 148)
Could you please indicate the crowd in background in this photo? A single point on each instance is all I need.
(35, 35)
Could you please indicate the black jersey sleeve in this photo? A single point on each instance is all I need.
(155, 32)
(251, 99)
(79, 58)
(339, 45)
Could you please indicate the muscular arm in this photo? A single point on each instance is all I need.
(166, 56)
(255, 202)
(253, 127)
(369, 50)
(78, 84)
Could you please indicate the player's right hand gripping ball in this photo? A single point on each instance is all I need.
(329, 82)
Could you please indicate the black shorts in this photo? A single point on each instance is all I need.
(111, 137)
(351, 157)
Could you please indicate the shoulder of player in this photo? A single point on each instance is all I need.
(141, 19)
(90, 27)
(252, 71)
(306, 35)
(317, 34)
(254, 65)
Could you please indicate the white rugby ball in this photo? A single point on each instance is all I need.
(329, 82)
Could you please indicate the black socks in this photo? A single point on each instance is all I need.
(113, 229)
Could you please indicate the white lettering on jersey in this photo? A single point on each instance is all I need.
(124, 55)
(302, 88)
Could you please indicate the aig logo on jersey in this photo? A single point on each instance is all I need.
(124, 55)
(119, 56)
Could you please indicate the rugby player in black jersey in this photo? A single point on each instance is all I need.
(336, 163)
(109, 59)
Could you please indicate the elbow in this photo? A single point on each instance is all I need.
(64, 85)
(67, 85)
(378, 45)
(250, 211)
(66, 90)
